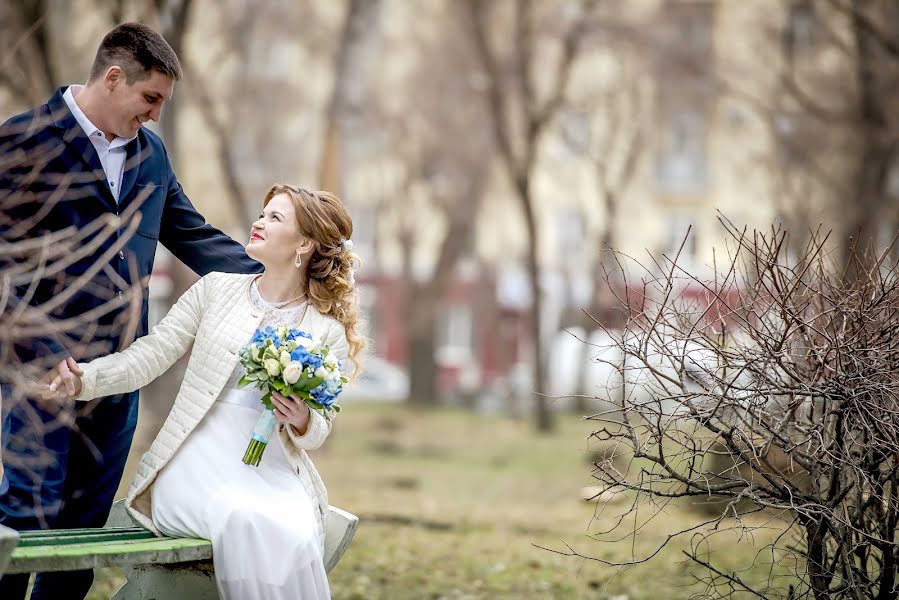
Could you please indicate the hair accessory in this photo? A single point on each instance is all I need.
(348, 246)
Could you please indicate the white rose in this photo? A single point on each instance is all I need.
(256, 352)
(285, 358)
(272, 366)
(292, 372)
(321, 372)
(333, 374)
(331, 360)
(314, 345)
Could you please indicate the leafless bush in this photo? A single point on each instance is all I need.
(45, 263)
(774, 389)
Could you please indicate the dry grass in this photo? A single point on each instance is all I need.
(453, 505)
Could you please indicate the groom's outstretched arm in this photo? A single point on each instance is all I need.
(195, 242)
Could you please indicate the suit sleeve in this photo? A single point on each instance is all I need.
(195, 242)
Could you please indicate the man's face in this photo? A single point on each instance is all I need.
(133, 104)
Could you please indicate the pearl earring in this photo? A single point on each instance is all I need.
(298, 262)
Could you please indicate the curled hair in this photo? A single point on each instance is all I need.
(322, 217)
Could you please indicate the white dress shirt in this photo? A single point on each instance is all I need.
(112, 154)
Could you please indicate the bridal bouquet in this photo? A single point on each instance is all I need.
(288, 361)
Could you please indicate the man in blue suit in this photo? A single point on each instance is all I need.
(79, 157)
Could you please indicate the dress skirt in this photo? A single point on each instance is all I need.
(261, 521)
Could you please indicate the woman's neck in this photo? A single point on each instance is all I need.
(278, 287)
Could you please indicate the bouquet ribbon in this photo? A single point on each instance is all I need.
(262, 433)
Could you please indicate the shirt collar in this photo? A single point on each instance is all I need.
(89, 128)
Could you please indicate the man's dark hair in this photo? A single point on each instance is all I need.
(139, 50)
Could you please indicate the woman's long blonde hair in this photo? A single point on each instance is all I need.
(322, 217)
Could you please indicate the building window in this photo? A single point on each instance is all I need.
(574, 130)
(685, 87)
(364, 232)
(570, 234)
(368, 308)
(676, 229)
(455, 336)
(681, 163)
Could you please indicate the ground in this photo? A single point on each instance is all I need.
(455, 505)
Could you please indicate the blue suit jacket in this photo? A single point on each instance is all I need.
(51, 178)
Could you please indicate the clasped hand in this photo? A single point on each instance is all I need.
(65, 378)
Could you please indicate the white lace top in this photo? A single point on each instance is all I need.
(272, 316)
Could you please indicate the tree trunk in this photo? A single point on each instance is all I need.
(817, 559)
(173, 24)
(544, 417)
(34, 76)
(360, 22)
(602, 299)
(877, 149)
(422, 361)
(422, 310)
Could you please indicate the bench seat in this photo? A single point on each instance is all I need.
(156, 567)
(73, 549)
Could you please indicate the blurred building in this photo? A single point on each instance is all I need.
(699, 153)
(675, 116)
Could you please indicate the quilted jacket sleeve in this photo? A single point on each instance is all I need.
(319, 427)
(150, 356)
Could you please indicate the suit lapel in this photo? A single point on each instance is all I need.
(132, 168)
(77, 143)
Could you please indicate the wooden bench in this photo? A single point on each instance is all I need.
(159, 568)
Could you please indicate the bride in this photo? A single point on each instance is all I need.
(266, 523)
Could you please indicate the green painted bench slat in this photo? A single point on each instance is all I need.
(92, 555)
(37, 533)
(62, 537)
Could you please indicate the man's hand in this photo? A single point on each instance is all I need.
(66, 378)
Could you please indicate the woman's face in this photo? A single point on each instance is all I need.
(275, 238)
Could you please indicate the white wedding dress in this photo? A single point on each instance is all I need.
(261, 521)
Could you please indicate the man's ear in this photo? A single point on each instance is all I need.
(113, 77)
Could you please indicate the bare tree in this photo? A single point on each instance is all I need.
(617, 145)
(361, 24)
(834, 121)
(777, 396)
(440, 133)
(27, 70)
(522, 107)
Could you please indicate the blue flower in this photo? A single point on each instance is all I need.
(263, 335)
(307, 359)
(323, 395)
(296, 334)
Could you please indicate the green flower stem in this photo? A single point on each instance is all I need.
(254, 453)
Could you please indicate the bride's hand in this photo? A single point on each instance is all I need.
(292, 410)
(66, 378)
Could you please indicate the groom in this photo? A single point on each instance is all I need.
(92, 137)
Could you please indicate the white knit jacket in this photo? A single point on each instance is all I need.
(216, 315)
